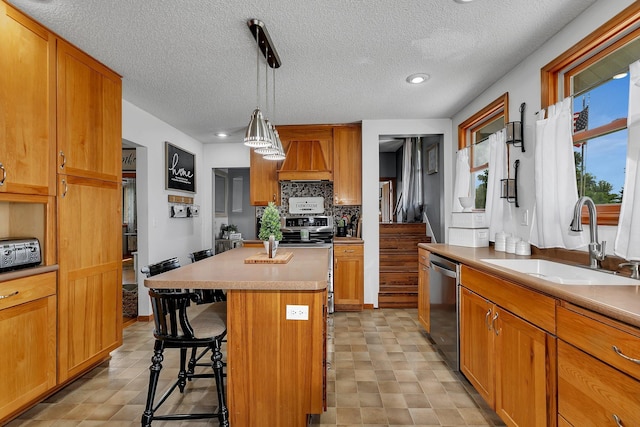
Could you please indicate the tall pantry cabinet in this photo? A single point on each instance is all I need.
(89, 111)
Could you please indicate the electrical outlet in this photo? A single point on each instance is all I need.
(297, 312)
(525, 217)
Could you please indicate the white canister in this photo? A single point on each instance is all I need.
(510, 246)
(523, 248)
(500, 241)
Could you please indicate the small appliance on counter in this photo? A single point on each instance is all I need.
(18, 253)
(469, 229)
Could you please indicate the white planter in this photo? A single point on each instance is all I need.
(266, 248)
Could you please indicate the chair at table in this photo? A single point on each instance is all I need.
(160, 267)
(174, 329)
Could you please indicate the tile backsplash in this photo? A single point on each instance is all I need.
(312, 189)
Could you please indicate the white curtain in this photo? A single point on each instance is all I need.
(556, 191)
(496, 210)
(462, 183)
(627, 243)
(406, 180)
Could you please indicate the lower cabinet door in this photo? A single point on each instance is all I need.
(28, 356)
(524, 385)
(592, 393)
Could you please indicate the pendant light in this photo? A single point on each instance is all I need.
(271, 148)
(257, 134)
(278, 154)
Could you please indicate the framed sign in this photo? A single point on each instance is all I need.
(181, 169)
(128, 160)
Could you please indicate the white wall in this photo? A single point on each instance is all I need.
(523, 85)
(371, 131)
(159, 236)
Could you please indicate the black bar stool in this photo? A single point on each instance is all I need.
(174, 329)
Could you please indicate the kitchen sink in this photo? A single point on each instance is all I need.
(564, 274)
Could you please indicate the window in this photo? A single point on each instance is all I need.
(595, 73)
(473, 133)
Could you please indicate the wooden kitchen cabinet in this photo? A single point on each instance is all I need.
(347, 165)
(348, 275)
(598, 369)
(309, 152)
(89, 110)
(264, 186)
(28, 331)
(28, 114)
(90, 272)
(424, 310)
(508, 359)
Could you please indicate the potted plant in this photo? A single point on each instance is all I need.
(270, 226)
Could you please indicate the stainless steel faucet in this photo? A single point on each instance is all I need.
(596, 249)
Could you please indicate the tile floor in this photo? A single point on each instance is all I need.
(384, 372)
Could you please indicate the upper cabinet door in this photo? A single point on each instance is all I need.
(89, 116)
(27, 105)
(347, 165)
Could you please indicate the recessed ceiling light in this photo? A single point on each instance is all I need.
(417, 78)
(463, 1)
(620, 76)
(222, 134)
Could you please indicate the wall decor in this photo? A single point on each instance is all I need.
(128, 160)
(432, 159)
(181, 169)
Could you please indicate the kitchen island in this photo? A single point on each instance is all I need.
(275, 366)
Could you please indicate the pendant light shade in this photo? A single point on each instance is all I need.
(279, 155)
(257, 134)
(271, 148)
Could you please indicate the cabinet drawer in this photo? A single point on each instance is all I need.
(532, 306)
(591, 393)
(588, 332)
(20, 291)
(348, 250)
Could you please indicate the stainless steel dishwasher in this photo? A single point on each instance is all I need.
(443, 305)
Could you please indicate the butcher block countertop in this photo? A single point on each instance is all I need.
(618, 302)
(306, 271)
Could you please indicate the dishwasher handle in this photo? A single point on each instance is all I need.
(440, 268)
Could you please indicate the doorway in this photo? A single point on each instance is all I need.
(129, 236)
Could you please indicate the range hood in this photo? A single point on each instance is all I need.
(306, 161)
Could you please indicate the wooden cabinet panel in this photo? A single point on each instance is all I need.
(90, 274)
(261, 342)
(28, 331)
(591, 393)
(589, 332)
(525, 393)
(347, 165)
(89, 116)
(28, 109)
(476, 343)
(263, 181)
(509, 361)
(532, 306)
(423, 289)
(309, 152)
(348, 277)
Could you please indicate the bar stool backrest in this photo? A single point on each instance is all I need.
(207, 295)
(197, 256)
(161, 267)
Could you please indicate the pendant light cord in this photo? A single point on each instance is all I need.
(258, 66)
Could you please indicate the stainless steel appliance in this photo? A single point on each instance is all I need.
(444, 302)
(19, 253)
(306, 230)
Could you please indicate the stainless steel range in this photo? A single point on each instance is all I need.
(303, 229)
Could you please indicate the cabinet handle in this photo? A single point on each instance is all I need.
(4, 174)
(617, 420)
(423, 257)
(348, 251)
(64, 159)
(425, 268)
(486, 319)
(12, 294)
(274, 197)
(66, 187)
(493, 323)
(624, 356)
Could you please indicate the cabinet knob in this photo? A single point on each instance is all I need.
(4, 174)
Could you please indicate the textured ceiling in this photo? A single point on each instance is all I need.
(193, 63)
